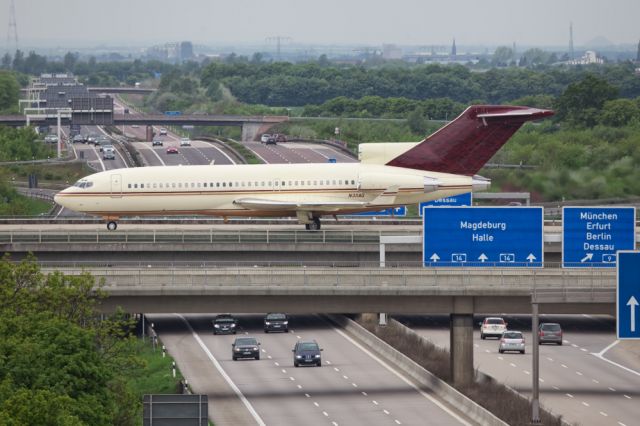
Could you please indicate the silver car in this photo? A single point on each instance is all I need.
(511, 341)
(550, 332)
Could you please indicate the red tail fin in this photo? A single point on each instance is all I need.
(464, 145)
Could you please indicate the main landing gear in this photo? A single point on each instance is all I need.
(112, 225)
(313, 226)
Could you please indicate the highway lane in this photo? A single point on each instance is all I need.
(351, 388)
(295, 152)
(574, 382)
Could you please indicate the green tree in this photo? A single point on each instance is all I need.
(9, 92)
(69, 61)
(502, 56)
(582, 102)
(619, 112)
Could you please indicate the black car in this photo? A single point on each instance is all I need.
(225, 324)
(245, 347)
(306, 353)
(276, 322)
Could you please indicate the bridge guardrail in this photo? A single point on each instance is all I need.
(211, 236)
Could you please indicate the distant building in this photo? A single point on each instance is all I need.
(453, 48)
(391, 51)
(589, 57)
(172, 52)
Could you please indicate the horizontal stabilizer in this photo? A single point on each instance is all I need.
(466, 144)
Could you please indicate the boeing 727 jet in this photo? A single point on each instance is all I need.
(442, 165)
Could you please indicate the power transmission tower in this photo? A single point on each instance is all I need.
(278, 40)
(12, 31)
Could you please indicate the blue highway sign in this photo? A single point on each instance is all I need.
(483, 236)
(592, 235)
(454, 201)
(396, 211)
(628, 295)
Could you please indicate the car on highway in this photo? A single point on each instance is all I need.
(271, 140)
(156, 142)
(163, 131)
(78, 138)
(307, 352)
(245, 347)
(512, 341)
(265, 137)
(492, 326)
(108, 152)
(185, 142)
(279, 137)
(172, 150)
(276, 322)
(51, 138)
(92, 137)
(225, 324)
(550, 332)
(134, 126)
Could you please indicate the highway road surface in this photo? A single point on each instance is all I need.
(353, 387)
(295, 152)
(586, 380)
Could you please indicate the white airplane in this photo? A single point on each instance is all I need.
(390, 174)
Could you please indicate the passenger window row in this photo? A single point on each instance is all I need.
(243, 184)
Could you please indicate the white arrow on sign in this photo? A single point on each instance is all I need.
(531, 257)
(483, 257)
(434, 257)
(632, 303)
(589, 256)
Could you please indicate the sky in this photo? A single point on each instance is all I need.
(74, 23)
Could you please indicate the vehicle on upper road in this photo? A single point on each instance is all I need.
(511, 340)
(245, 347)
(185, 142)
(306, 353)
(265, 137)
(225, 324)
(172, 150)
(108, 152)
(492, 326)
(163, 131)
(51, 138)
(156, 142)
(444, 164)
(276, 322)
(550, 332)
(79, 138)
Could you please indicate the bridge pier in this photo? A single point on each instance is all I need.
(250, 131)
(461, 341)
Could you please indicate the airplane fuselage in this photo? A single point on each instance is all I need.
(224, 190)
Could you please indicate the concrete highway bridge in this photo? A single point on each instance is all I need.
(229, 271)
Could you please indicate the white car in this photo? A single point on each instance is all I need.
(511, 341)
(492, 326)
(265, 138)
(163, 131)
(185, 142)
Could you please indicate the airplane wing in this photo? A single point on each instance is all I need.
(320, 205)
(387, 197)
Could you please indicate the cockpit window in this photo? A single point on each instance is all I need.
(83, 184)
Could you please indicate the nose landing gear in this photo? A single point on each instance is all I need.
(112, 225)
(314, 225)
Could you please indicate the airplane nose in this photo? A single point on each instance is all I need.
(59, 198)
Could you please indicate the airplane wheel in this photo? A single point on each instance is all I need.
(111, 226)
(315, 225)
(306, 226)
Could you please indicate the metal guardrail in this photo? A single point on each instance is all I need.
(211, 236)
